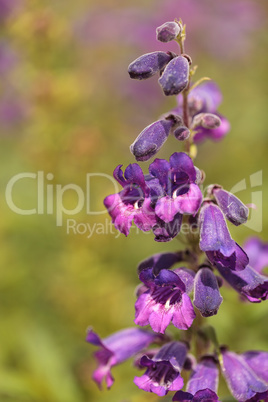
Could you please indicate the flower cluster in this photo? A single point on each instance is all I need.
(178, 286)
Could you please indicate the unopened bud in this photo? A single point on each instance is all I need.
(207, 120)
(168, 31)
(175, 76)
(151, 139)
(182, 133)
(148, 65)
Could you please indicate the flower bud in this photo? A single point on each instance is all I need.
(182, 133)
(234, 210)
(151, 139)
(207, 297)
(148, 65)
(175, 76)
(168, 31)
(207, 120)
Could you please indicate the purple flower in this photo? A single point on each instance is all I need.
(214, 234)
(164, 301)
(132, 203)
(241, 379)
(168, 31)
(163, 370)
(117, 348)
(203, 383)
(258, 362)
(148, 65)
(257, 252)
(236, 261)
(177, 179)
(234, 210)
(207, 297)
(175, 77)
(248, 282)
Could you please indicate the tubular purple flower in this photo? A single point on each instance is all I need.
(207, 298)
(165, 301)
(234, 210)
(203, 383)
(163, 370)
(168, 31)
(242, 381)
(175, 77)
(132, 203)
(214, 234)
(148, 65)
(180, 193)
(258, 362)
(151, 139)
(117, 348)
(248, 282)
(257, 252)
(236, 261)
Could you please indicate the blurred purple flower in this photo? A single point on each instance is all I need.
(257, 252)
(117, 348)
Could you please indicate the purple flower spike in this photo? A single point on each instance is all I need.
(257, 252)
(241, 380)
(163, 370)
(258, 362)
(117, 348)
(203, 384)
(214, 234)
(207, 297)
(148, 65)
(168, 31)
(175, 76)
(151, 139)
(165, 301)
(180, 193)
(132, 203)
(234, 210)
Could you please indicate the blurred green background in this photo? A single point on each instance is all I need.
(68, 108)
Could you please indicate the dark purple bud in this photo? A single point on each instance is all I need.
(207, 297)
(214, 234)
(182, 133)
(148, 65)
(168, 31)
(175, 76)
(151, 139)
(234, 210)
(207, 120)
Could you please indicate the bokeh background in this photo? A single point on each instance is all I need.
(67, 107)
